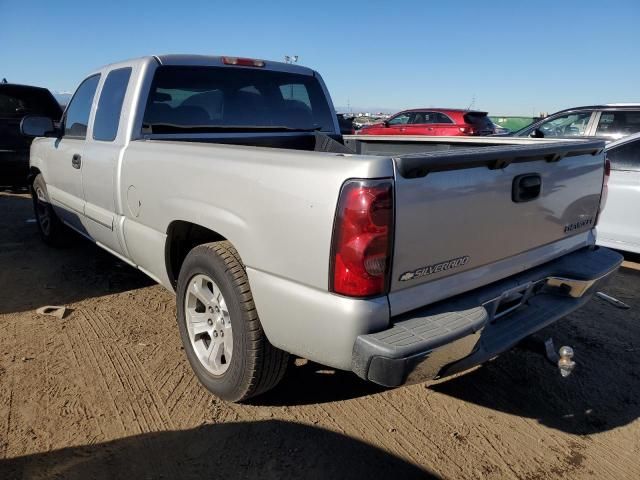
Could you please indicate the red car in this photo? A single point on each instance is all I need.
(433, 121)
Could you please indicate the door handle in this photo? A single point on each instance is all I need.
(526, 187)
(76, 161)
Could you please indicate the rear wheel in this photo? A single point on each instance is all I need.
(219, 326)
(51, 228)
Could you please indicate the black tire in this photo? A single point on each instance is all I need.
(256, 366)
(51, 228)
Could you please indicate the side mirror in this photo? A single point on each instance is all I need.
(536, 133)
(386, 123)
(37, 126)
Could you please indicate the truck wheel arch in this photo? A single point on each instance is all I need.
(182, 237)
(33, 173)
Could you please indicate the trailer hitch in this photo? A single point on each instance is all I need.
(562, 358)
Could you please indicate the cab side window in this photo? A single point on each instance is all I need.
(105, 126)
(625, 157)
(76, 118)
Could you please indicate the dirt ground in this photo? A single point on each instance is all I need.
(107, 392)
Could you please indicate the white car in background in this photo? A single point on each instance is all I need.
(619, 225)
(611, 121)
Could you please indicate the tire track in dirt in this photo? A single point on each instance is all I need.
(7, 390)
(137, 372)
(9, 411)
(117, 373)
(126, 376)
(141, 416)
(92, 369)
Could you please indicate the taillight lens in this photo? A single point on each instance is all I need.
(605, 187)
(361, 250)
(467, 130)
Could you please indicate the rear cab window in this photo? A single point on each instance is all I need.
(618, 124)
(76, 118)
(105, 125)
(187, 99)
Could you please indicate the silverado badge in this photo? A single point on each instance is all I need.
(435, 268)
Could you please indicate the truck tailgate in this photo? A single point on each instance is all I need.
(463, 209)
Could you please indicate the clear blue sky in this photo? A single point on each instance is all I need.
(514, 57)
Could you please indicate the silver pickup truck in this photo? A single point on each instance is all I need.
(401, 259)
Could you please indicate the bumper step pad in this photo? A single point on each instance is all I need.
(424, 334)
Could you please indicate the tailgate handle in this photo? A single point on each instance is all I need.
(526, 187)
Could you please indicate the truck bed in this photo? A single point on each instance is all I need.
(457, 226)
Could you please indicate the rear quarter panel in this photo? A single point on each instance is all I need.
(275, 206)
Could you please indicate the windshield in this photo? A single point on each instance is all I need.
(18, 101)
(228, 99)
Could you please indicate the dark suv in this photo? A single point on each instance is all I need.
(17, 101)
(611, 121)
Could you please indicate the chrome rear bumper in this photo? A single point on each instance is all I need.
(459, 333)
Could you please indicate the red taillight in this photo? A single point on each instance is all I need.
(605, 187)
(361, 250)
(242, 62)
(467, 130)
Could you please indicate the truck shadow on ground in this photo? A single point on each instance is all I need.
(264, 450)
(34, 274)
(311, 384)
(600, 395)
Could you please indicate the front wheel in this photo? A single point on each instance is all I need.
(219, 325)
(51, 228)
